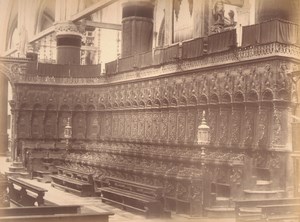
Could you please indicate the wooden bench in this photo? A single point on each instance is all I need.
(50, 214)
(26, 195)
(138, 197)
(251, 210)
(75, 181)
(42, 176)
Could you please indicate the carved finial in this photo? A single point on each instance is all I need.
(68, 121)
(203, 121)
(203, 135)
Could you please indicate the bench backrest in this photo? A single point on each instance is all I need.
(26, 185)
(253, 203)
(20, 197)
(91, 217)
(148, 190)
(80, 175)
(43, 210)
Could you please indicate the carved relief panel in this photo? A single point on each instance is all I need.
(37, 124)
(93, 126)
(108, 124)
(148, 125)
(79, 125)
(262, 126)
(181, 130)
(212, 122)
(172, 125)
(128, 122)
(115, 125)
(50, 125)
(122, 125)
(141, 125)
(23, 128)
(191, 126)
(236, 123)
(156, 125)
(248, 131)
(134, 125)
(279, 126)
(223, 129)
(164, 125)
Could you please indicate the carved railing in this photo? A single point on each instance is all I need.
(63, 71)
(236, 55)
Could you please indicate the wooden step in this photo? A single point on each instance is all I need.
(263, 194)
(220, 212)
(263, 182)
(16, 168)
(223, 202)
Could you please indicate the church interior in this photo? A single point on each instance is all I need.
(162, 108)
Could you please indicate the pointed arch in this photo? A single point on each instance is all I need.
(214, 98)
(157, 102)
(149, 103)
(203, 99)
(283, 95)
(192, 100)
(252, 96)
(267, 95)
(226, 98)
(238, 97)
(173, 102)
(183, 101)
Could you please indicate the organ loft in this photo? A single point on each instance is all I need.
(188, 106)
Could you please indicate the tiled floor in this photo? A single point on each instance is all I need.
(94, 204)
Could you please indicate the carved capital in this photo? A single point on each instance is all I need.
(68, 28)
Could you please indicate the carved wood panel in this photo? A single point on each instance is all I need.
(93, 126)
(79, 125)
(23, 127)
(37, 125)
(50, 125)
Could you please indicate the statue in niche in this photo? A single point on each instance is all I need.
(222, 23)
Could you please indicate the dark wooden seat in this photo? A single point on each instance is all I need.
(78, 182)
(42, 210)
(64, 213)
(20, 197)
(42, 176)
(130, 195)
(256, 210)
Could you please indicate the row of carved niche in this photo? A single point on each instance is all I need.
(162, 167)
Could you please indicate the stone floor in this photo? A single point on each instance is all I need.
(94, 204)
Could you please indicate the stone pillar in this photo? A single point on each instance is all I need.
(137, 28)
(3, 115)
(68, 38)
(14, 131)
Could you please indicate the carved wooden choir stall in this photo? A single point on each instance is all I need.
(134, 128)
